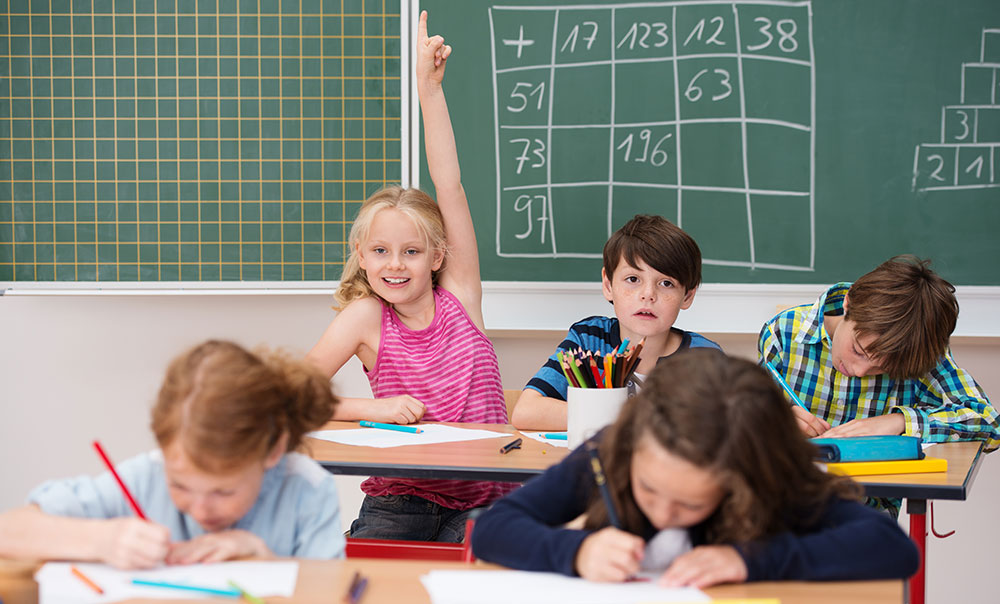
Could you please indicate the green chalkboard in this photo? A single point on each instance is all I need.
(192, 140)
(798, 142)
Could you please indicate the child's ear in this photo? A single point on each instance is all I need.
(606, 286)
(846, 296)
(688, 298)
(438, 259)
(361, 257)
(277, 451)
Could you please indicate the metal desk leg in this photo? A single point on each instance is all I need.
(917, 509)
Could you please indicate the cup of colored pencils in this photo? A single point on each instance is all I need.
(597, 389)
(587, 369)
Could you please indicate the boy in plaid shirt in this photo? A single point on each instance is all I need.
(872, 358)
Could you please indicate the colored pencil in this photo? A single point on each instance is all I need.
(231, 593)
(784, 385)
(87, 580)
(132, 502)
(632, 361)
(598, 380)
(395, 427)
(565, 369)
(246, 595)
(573, 365)
(607, 370)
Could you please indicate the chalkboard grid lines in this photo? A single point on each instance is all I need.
(968, 154)
(192, 140)
(702, 112)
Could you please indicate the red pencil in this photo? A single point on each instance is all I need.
(107, 462)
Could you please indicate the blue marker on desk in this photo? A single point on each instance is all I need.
(554, 435)
(367, 424)
(784, 386)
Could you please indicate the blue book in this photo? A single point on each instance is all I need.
(868, 448)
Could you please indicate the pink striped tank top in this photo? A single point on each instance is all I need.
(451, 367)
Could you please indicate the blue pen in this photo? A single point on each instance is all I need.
(230, 593)
(554, 436)
(784, 386)
(367, 424)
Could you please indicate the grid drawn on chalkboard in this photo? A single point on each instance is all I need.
(184, 140)
(739, 74)
(968, 154)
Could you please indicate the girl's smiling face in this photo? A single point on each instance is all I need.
(397, 258)
(671, 492)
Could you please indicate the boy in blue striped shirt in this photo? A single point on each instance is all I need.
(651, 272)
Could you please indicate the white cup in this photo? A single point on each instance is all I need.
(590, 409)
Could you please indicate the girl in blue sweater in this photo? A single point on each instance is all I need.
(711, 482)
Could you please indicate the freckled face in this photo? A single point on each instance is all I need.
(646, 301)
(671, 492)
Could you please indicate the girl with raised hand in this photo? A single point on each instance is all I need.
(410, 302)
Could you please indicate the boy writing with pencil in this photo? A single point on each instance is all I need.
(872, 358)
(651, 272)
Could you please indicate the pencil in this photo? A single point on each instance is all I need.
(619, 374)
(231, 593)
(784, 385)
(125, 491)
(598, 380)
(607, 371)
(565, 369)
(602, 485)
(87, 580)
(246, 595)
(411, 429)
(576, 371)
(633, 359)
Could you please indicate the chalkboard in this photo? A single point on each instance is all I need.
(192, 140)
(798, 142)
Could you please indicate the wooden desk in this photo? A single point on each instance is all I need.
(963, 464)
(398, 581)
(481, 460)
(468, 460)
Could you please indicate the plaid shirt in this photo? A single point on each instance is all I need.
(946, 404)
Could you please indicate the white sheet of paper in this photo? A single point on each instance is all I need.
(523, 587)
(57, 583)
(538, 436)
(381, 438)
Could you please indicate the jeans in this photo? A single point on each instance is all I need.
(409, 518)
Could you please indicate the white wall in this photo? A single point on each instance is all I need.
(75, 368)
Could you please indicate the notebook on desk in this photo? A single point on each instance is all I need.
(868, 448)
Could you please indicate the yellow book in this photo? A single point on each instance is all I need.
(905, 466)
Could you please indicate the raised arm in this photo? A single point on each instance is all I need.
(461, 272)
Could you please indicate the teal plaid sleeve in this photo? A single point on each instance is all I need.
(947, 404)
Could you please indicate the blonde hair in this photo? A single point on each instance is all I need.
(227, 406)
(416, 204)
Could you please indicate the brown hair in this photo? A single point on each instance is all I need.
(416, 204)
(727, 416)
(659, 243)
(910, 310)
(227, 406)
